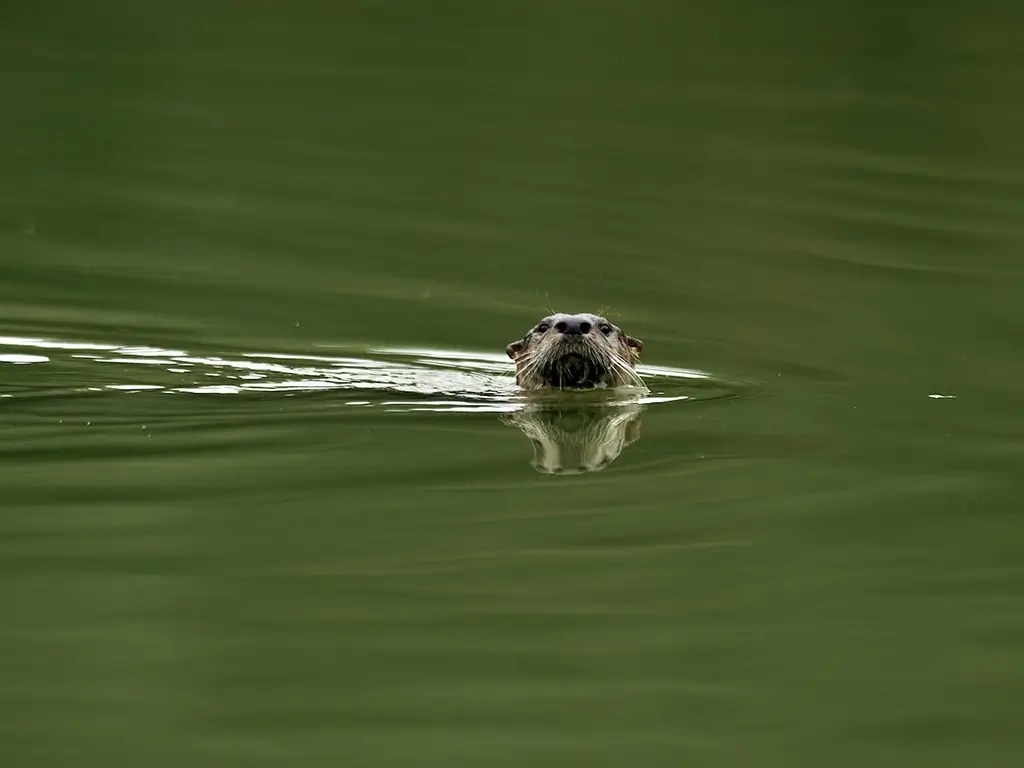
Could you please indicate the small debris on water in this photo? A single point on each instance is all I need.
(937, 396)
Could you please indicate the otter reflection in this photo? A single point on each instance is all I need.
(572, 439)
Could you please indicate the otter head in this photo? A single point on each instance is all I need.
(575, 352)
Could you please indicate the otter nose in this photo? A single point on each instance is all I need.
(573, 326)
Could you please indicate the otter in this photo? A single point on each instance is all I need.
(580, 351)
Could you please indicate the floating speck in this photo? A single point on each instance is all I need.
(937, 396)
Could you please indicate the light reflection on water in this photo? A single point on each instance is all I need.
(447, 380)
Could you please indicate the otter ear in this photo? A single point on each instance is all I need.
(635, 344)
(513, 349)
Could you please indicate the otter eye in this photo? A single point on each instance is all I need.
(605, 328)
(542, 327)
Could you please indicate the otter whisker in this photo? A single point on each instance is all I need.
(532, 363)
(627, 373)
(630, 373)
(530, 367)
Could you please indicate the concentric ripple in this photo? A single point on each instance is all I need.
(390, 378)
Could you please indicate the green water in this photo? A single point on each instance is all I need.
(819, 205)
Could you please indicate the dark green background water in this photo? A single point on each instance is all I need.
(826, 199)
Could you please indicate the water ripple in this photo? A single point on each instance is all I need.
(393, 378)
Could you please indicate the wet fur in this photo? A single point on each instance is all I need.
(546, 359)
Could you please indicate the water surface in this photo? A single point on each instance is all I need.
(269, 496)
